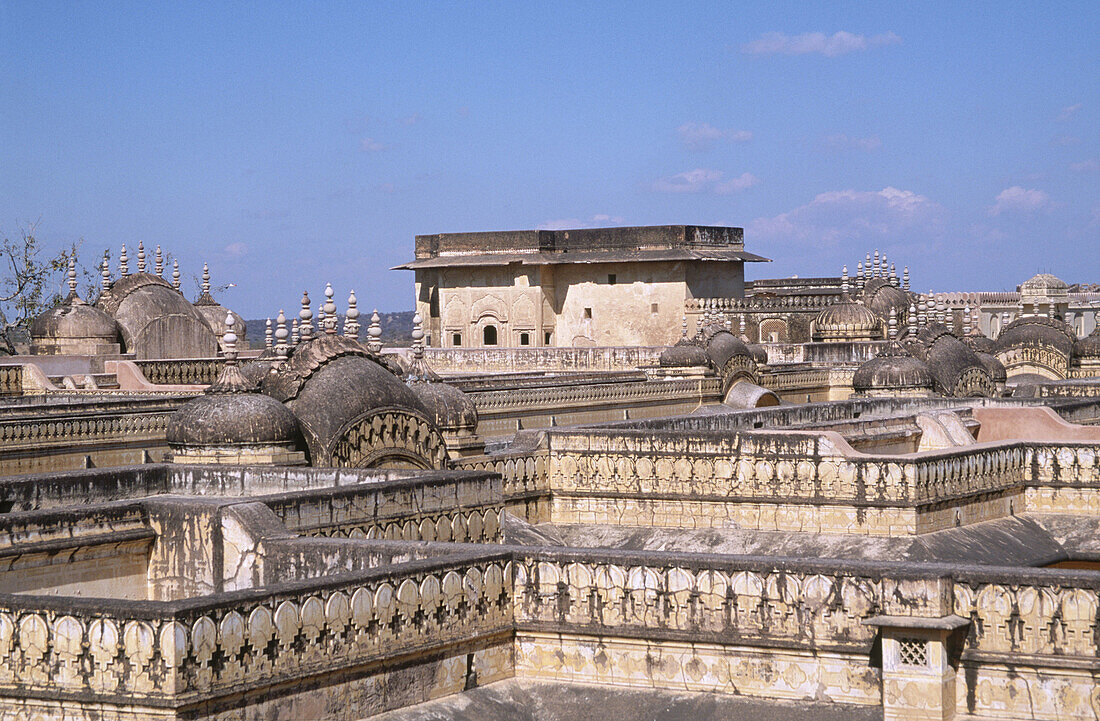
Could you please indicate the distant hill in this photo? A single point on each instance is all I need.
(396, 328)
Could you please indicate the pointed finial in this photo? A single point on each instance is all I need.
(892, 324)
(230, 341)
(305, 327)
(742, 326)
(1050, 311)
(374, 333)
(844, 284)
(141, 256)
(351, 319)
(281, 335)
(893, 275)
(859, 270)
(867, 266)
(330, 311)
(106, 270)
(912, 320)
(294, 337)
(876, 264)
(268, 336)
(905, 279)
(160, 262)
(123, 264)
(684, 325)
(418, 337)
(72, 276)
(175, 274)
(966, 319)
(205, 279)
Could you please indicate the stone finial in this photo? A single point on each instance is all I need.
(294, 337)
(867, 266)
(123, 262)
(905, 279)
(966, 319)
(230, 340)
(1050, 311)
(141, 256)
(351, 319)
(876, 264)
(418, 337)
(893, 275)
(912, 320)
(922, 311)
(941, 310)
(374, 333)
(175, 274)
(844, 284)
(329, 319)
(305, 327)
(281, 335)
(892, 324)
(159, 262)
(268, 337)
(105, 270)
(684, 327)
(71, 277)
(859, 271)
(741, 326)
(205, 279)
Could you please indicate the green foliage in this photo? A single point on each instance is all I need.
(27, 285)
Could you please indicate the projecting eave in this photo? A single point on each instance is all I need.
(721, 255)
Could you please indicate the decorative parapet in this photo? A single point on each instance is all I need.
(27, 433)
(11, 380)
(483, 360)
(803, 302)
(598, 394)
(169, 655)
(181, 371)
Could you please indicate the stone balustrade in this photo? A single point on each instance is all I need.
(483, 360)
(756, 303)
(167, 654)
(181, 371)
(598, 394)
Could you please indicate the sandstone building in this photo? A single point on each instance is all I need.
(589, 287)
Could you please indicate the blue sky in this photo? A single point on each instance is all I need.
(294, 144)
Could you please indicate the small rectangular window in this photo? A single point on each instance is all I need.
(611, 279)
(524, 339)
(546, 338)
(588, 313)
(456, 339)
(653, 308)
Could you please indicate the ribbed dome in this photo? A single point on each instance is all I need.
(847, 321)
(1036, 330)
(895, 371)
(957, 369)
(448, 407)
(1043, 282)
(75, 319)
(995, 368)
(1089, 346)
(759, 353)
(233, 419)
(880, 296)
(683, 355)
(723, 347)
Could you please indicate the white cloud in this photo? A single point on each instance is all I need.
(1020, 200)
(1069, 111)
(849, 216)
(370, 145)
(703, 136)
(598, 220)
(840, 141)
(705, 180)
(839, 43)
(236, 250)
(1086, 166)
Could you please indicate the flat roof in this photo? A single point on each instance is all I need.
(583, 245)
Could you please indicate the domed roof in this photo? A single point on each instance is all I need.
(448, 407)
(1041, 283)
(233, 413)
(722, 347)
(1089, 346)
(847, 321)
(331, 382)
(1036, 330)
(956, 368)
(685, 354)
(156, 320)
(978, 341)
(759, 353)
(74, 318)
(995, 368)
(893, 370)
(880, 295)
